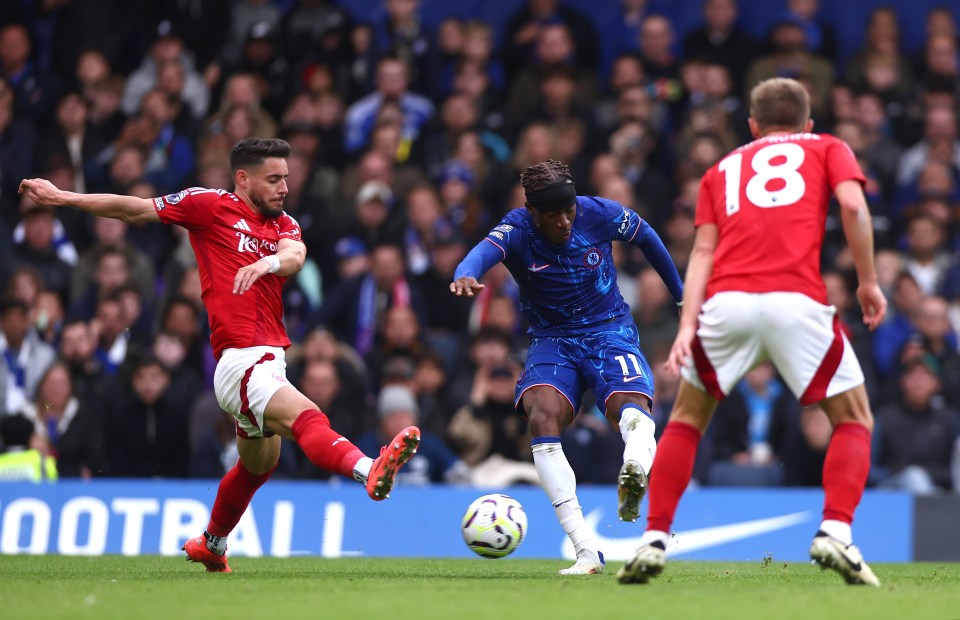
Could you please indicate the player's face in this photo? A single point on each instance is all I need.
(266, 186)
(556, 226)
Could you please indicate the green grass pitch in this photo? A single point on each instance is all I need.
(360, 588)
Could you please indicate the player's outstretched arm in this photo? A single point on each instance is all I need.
(858, 229)
(694, 290)
(476, 263)
(659, 257)
(287, 261)
(126, 208)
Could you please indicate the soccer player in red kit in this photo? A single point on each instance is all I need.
(753, 292)
(246, 246)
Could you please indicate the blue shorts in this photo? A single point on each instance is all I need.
(607, 362)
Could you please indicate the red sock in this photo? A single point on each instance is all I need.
(325, 447)
(672, 469)
(845, 470)
(236, 490)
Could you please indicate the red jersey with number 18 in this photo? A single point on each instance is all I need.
(227, 234)
(769, 200)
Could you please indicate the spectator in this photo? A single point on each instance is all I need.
(25, 357)
(70, 427)
(489, 434)
(38, 248)
(790, 57)
(356, 310)
(344, 402)
(70, 140)
(434, 461)
(806, 448)
(926, 259)
(914, 438)
(17, 150)
(90, 381)
(166, 46)
(819, 36)
(720, 41)
(21, 460)
(527, 24)
(147, 425)
(392, 81)
(34, 92)
(111, 238)
(749, 431)
(402, 33)
(555, 48)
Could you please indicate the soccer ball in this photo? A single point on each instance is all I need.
(494, 526)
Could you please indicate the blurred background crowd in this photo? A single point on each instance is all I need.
(410, 122)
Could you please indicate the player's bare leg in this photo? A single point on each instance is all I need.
(845, 470)
(630, 412)
(549, 413)
(672, 471)
(258, 459)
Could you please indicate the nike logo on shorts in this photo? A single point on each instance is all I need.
(633, 378)
(535, 267)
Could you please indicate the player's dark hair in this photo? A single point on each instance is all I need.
(250, 152)
(543, 174)
(780, 102)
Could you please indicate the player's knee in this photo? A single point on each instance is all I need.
(544, 420)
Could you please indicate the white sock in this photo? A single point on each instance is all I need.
(652, 536)
(361, 471)
(560, 483)
(637, 429)
(837, 529)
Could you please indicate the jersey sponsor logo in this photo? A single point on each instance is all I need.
(592, 258)
(260, 247)
(175, 198)
(242, 225)
(686, 541)
(535, 267)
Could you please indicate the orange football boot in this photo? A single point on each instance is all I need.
(392, 457)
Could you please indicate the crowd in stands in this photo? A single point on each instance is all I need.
(408, 138)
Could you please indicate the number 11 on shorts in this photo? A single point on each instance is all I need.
(633, 360)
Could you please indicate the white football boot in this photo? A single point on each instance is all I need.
(648, 561)
(588, 564)
(830, 553)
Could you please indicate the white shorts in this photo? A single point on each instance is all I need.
(800, 336)
(245, 381)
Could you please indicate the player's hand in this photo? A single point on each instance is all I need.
(41, 191)
(467, 285)
(681, 350)
(873, 303)
(246, 276)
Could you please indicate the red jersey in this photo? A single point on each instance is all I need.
(769, 201)
(227, 234)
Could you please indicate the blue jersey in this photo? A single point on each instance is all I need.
(569, 290)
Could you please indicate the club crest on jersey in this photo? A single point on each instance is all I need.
(175, 198)
(592, 258)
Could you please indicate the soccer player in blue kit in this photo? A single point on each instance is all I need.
(559, 250)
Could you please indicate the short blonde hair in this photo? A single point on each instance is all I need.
(780, 102)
